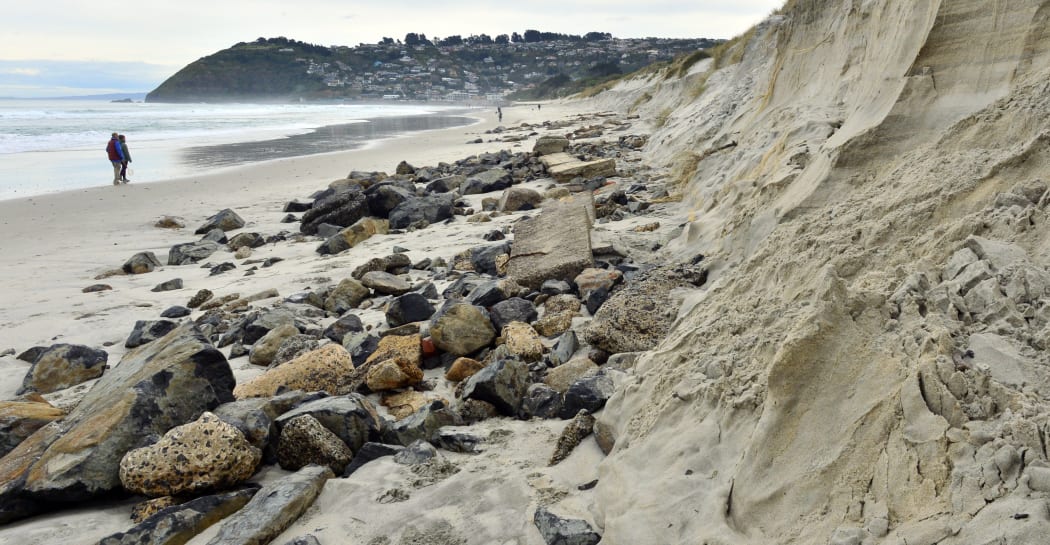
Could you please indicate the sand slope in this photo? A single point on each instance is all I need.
(821, 389)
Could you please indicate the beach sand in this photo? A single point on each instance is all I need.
(55, 245)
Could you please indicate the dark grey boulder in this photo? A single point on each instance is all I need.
(304, 540)
(180, 523)
(259, 325)
(146, 331)
(558, 530)
(483, 258)
(431, 209)
(273, 508)
(370, 452)
(217, 236)
(255, 417)
(251, 240)
(141, 263)
(225, 219)
(297, 206)
(588, 393)
(419, 452)
(328, 231)
(514, 309)
(455, 440)
(393, 264)
(342, 209)
(595, 299)
(496, 179)
(384, 198)
(385, 283)
(352, 418)
(420, 425)
(487, 293)
(61, 366)
(176, 311)
(221, 268)
(347, 323)
(191, 252)
(541, 401)
(170, 285)
(408, 308)
(164, 384)
(502, 383)
(360, 346)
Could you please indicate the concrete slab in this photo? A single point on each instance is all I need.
(564, 167)
(555, 244)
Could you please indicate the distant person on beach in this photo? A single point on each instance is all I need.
(126, 159)
(499, 112)
(116, 157)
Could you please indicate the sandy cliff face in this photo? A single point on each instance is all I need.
(870, 364)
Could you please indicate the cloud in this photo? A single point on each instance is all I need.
(36, 78)
(21, 71)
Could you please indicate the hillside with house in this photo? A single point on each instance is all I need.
(476, 68)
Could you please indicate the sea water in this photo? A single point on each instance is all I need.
(57, 145)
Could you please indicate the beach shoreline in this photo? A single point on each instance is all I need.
(56, 244)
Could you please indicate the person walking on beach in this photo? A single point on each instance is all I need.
(499, 112)
(126, 158)
(116, 157)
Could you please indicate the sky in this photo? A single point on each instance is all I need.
(73, 47)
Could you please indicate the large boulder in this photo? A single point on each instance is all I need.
(494, 179)
(178, 524)
(462, 329)
(385, 283)
(352, 418)
(347, 295)
(207, 454)
(638, 316)
(502, 383)
(431, 209)
(156, 387)
(275, 507)
(514, 309)
(518, 198)
(61, 366)
(362, 230)
(141, 263)
(557, 530)
(305, 441)
(343, 209)
(225, 219)
(392, 374)
(323, 369)
(264, 350)
(347, 323)
(408, 308)
(191, 252)
(383, 198)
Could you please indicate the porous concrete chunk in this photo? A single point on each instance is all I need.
(274, 508)
(207, 454)
(555, 244)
